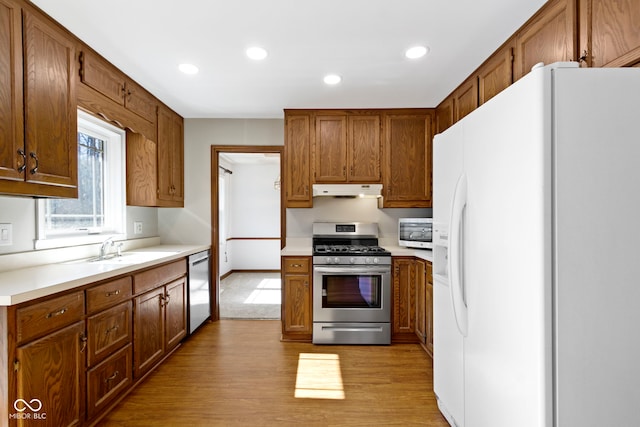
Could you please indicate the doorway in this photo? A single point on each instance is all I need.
(248, 229)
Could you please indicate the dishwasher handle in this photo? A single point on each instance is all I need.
(199, 258)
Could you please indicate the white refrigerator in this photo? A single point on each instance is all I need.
(537, 254)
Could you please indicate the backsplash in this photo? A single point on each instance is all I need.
(299, 221)
(21, 213)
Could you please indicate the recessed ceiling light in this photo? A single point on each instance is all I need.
(188, 68)
(256, 53)
(416, 52)
(332, 79)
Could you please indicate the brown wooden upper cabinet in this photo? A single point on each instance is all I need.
(496, 74)
(38, 94)
(466, 98)
(407, 159)
(297, 158)
(610, 32)
(347, 148)
(445, 114)
(170, 158)
(550, 36)
(103, 77)
(155, 170)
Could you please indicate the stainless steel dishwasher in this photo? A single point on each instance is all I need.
(199, 297)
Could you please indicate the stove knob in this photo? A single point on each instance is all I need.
(336, 260)
(375, 260)
(369, 260)
(328, 260)
(352, 260)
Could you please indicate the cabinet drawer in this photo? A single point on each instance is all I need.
(296, 265)
(108, 380)
(47, 316)
(108, 294)
(158, 276)
(108, 331)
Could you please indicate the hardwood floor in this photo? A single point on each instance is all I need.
(238, 373)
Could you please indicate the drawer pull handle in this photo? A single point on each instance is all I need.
(113, 329)
(296, 265)
(112, 377)
(56, 313)
(110, 294)
(34, 157)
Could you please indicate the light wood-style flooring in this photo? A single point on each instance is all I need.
(238, 373)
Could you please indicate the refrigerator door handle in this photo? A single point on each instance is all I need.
(456, 247)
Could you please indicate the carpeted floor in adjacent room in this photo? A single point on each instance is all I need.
(250, 296)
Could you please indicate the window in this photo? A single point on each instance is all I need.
(99, 210)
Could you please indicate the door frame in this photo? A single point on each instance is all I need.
(215, 232)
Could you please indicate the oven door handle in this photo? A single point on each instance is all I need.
(357, 270)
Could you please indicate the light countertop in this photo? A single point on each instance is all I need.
(17, 286)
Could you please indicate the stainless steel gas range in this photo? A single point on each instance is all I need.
(351, 285)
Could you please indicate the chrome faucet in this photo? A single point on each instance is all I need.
(104, 249)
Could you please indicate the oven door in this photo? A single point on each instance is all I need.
(351, 294)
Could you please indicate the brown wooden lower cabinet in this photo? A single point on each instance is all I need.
(51, 371)
(69, 358)
(412, 319)
(108, 380)
(297, 318)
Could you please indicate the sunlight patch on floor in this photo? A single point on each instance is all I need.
(319, 377)
(267, 292)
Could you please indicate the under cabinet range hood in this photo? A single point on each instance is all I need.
(347, 190)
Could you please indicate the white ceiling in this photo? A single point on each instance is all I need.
(361, 40)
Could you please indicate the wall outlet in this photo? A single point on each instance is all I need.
(6, 234)
(137, 227)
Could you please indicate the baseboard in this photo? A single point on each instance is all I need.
(229, 273)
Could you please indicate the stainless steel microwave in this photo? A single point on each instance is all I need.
(415, 232)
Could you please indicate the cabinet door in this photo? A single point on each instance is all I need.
(98, 74)
(296, 304)
(50, 104)
(609, 32)
(142, 176)
(139, 101)
(330, 149)
(466, 98)
(445, 114)
(297, 153)
(429, 308)
(363, 143)
(421, 300)
(107, 331)
(549, 37)
(175, 313)
(404, 294)
(11, 124)
(148, 331)
(51, 370)
(170, 158)
(407, 160)
(496, 74)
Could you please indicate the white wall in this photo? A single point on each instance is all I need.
(192, 224)
(254, 213)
